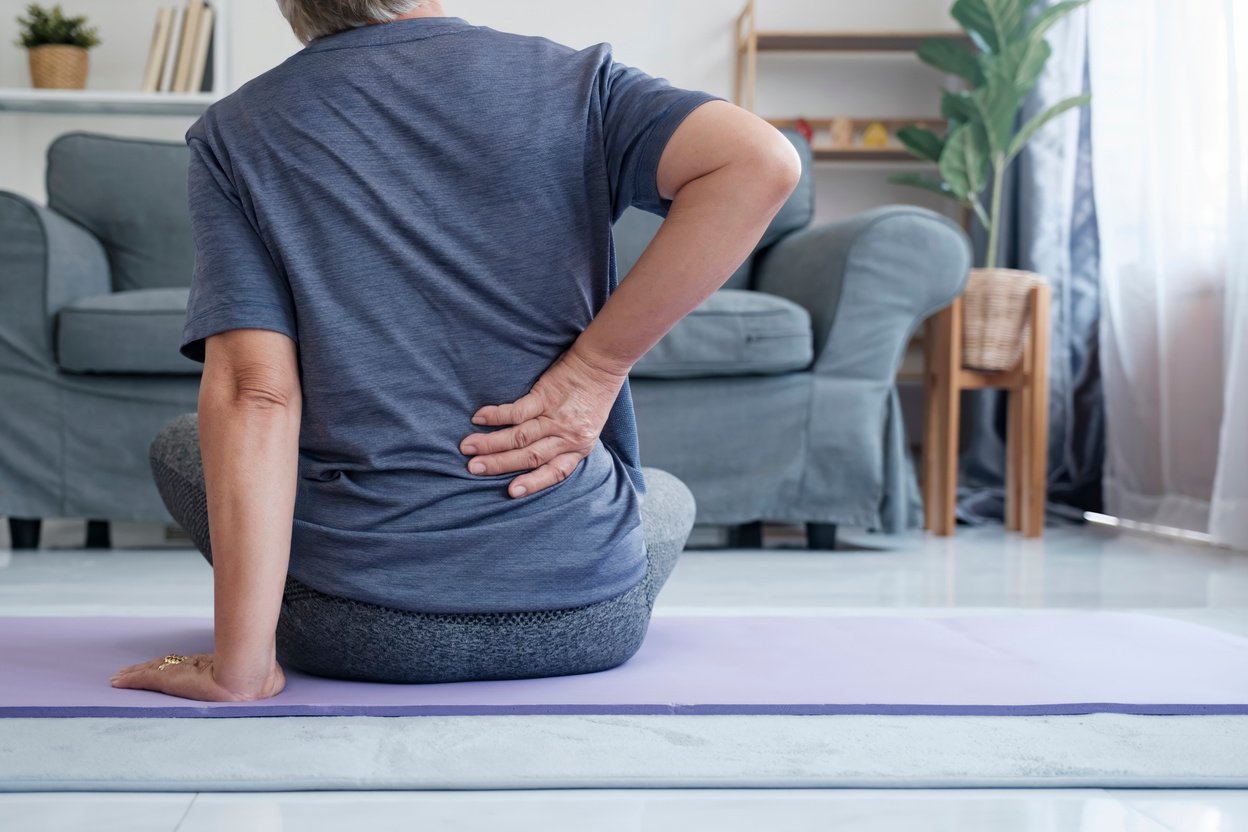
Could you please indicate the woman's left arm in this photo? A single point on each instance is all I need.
(250, 404)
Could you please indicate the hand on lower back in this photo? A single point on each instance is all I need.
(547, 432)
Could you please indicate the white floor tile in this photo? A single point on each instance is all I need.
(1209, 810)
(673, 811)
(83, 812)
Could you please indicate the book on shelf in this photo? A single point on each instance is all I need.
(171, 53)
(182, 53)
(160, 46)
(190, 35)
(199, 60)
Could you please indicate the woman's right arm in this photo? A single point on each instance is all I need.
(727, 172)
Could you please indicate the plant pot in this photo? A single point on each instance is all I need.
(994, 318)
(56, 66)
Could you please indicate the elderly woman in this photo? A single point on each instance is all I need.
(419, 458)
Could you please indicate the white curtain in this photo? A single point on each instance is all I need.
(1169, 119)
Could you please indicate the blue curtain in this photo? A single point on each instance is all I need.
(1050, 227)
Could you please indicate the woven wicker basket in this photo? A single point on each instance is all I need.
(994, 318)
(56, 66)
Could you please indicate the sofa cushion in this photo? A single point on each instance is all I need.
(734, 332)
(131, 194)
(124, 332)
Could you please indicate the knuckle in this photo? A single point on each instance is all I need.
(532, 459)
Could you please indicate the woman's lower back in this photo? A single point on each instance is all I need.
(330, 636)
(453, 542)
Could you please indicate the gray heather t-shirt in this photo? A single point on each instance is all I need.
(425, 207)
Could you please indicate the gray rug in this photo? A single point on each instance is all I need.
(509, 752)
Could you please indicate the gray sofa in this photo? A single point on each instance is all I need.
(774, 400)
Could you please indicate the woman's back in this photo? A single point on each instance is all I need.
(433, 203)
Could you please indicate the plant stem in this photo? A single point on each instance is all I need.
(998, 183)
(978, 208)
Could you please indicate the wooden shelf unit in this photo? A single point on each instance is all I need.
(849, 41)
(750, 42)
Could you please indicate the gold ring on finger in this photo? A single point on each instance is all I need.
(172, 658)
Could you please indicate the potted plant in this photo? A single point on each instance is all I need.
(57, 47)
(1010, 52)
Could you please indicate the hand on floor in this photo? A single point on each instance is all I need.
(193, 679)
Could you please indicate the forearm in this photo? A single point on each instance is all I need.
(250, 448)
(713, 224)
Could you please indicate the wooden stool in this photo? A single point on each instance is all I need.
(1027, 433)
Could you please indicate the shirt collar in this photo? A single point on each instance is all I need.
(394, 31)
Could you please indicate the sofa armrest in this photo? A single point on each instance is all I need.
(49, 262)
(867, 283)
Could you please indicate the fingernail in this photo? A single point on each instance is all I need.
(470, 449)
(478, 420)
(519, 491)
(477, 467)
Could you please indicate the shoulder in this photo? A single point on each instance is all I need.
(537, 50)
(267, 89)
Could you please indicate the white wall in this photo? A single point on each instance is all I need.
(688, 42)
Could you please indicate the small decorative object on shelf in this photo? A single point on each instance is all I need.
(875, 135)
(803, 126)
(1010, 53)
(857, 139)
(57, 46)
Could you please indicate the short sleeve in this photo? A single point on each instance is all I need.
(640, 113)
(236, 284)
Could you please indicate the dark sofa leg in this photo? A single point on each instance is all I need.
(821, 536)
(24, 532)
(98, 535)
(746, 536)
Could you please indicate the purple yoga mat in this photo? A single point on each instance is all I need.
(1026, 664)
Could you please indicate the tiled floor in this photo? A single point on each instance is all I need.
(979, 570)
(636, 811)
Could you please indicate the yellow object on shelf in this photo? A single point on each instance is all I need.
(876, 135)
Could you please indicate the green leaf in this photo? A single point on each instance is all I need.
(963, 164)
(948, 56)
(958, 107)
(921, 142)
(1019, 64)
(991, 23)
(928, 183)
(1045, 20)
(997, 105)
(1033, 126)
(1008, 78)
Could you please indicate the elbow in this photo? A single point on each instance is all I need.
(783, 166)
(261, 388)
(776, 168)
(250, 370)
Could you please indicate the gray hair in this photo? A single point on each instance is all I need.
(315, 18)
